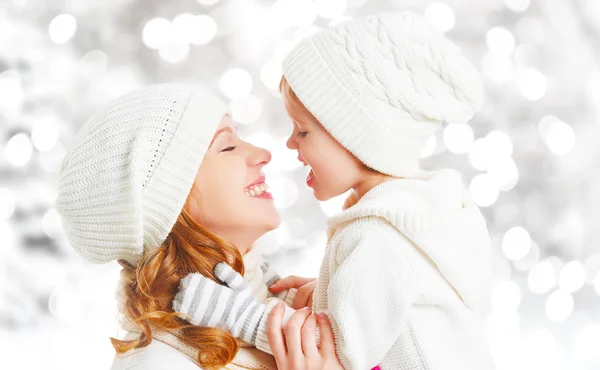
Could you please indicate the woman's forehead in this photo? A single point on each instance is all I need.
(226, 121)
(227, 124)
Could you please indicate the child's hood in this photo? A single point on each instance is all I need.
(436, 213)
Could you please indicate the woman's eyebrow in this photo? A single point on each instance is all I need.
(221, 131)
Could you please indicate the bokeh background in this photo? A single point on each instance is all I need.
(530, 159)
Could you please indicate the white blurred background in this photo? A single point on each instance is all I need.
(531, 159)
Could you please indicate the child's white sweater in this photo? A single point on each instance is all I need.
(403, 274)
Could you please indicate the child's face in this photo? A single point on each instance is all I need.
(334, 170)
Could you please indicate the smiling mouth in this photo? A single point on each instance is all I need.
(310, 178)
(256, 190)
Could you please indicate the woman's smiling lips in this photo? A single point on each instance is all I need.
(258, 189)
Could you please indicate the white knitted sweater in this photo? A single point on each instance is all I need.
(403, 274)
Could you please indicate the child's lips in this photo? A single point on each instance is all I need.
(310, 178)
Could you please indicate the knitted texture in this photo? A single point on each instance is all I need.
(248, 357)
(404, 272)
(131, 168)
(260, 276)
(231, 306)
(382, 85)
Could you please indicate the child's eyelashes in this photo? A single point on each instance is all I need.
(228, 149)
(302, 133)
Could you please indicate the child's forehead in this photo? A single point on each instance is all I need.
(298, 114)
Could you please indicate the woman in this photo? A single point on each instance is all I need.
(161, 182)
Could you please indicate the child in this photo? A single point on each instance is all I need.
(409, 258)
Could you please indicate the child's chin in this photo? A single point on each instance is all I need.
(322, 197)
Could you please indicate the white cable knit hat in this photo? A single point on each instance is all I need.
(382, 85)
(131, 168)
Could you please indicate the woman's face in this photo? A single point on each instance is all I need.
(228, 196)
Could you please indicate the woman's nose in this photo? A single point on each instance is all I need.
(259, 156)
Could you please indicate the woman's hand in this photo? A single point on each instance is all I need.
(305, 286)
(296, 349)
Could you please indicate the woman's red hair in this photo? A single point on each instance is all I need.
(150, 287)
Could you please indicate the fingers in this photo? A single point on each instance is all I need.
(187, 288)
(194, 293)
(229, 276)
(304, 294)
(309, 336)
(293, 332)
(288, 283)
(327, 339)
(275, 334)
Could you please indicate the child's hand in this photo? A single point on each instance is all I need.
(296, 348)
(305, 286)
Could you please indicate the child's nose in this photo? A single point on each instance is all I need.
(291, 143)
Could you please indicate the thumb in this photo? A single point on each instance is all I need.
(326, 335)
(229, 276)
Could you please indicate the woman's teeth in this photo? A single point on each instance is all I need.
(256, 190)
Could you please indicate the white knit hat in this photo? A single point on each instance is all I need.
(382, 85)
(131, 168)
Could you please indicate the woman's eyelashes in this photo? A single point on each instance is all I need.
(229, 149)
(302, 133)
(229, 144)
